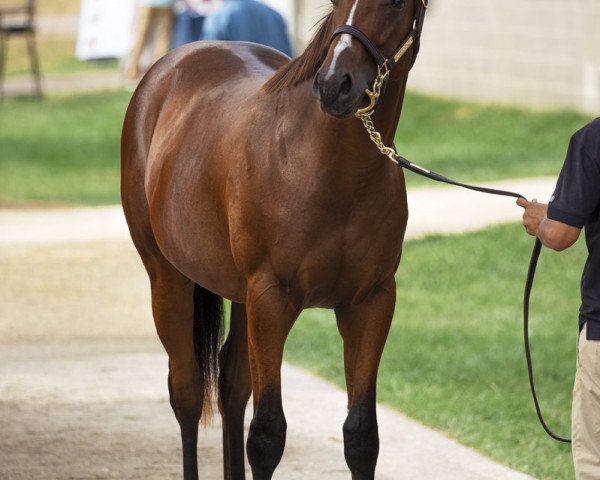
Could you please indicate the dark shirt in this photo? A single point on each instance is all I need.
(576, 202)
(249, 21)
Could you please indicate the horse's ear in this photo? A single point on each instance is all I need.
(305, 66)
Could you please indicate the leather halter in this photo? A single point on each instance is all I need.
(412, 40)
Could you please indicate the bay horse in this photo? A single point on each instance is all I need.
(246, 177)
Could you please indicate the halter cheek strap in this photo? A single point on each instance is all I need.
(412, 40)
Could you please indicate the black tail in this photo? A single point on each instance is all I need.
(208, 334)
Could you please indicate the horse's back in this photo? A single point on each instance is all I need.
(196, 77)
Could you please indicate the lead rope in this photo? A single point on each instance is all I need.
(365, 116)
(535, 255)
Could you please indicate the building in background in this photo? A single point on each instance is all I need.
(533, 53)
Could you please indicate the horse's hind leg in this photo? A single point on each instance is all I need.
(364, 329)
(172, 293)
(235, 388)
(173, 309)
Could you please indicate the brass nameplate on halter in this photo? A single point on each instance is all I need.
(404, 48)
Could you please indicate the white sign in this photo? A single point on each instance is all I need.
(106, 29)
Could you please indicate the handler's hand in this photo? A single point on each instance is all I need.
(534, 214)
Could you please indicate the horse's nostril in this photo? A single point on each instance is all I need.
(346, 85)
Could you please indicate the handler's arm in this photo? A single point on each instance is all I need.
(555, 235)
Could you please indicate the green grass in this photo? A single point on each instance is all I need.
(57, 57)
(65, 149)
(473, 142)
(62, 150)
(56, 50)
(454, 359)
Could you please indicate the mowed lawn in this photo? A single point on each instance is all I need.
(474, 142)
(66, 148)
(56, 47)
(454, 359)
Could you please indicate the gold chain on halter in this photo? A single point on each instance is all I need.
(375, 137)
(365, 113)
(383, 71)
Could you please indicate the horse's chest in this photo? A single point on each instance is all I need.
(322, 242)
(337, 263)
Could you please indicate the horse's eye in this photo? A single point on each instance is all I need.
(335, 2)
(399, 4)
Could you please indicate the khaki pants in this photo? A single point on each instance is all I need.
(152, 21)
(586, 410)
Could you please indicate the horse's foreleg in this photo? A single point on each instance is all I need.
(364, 329)
(173, 309)
(234, 392)
(270, 318)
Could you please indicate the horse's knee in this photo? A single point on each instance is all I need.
(361, 444)
(266, 442)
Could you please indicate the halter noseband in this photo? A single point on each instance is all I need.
(385, 64)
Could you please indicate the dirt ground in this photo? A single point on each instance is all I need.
(83, 390)
(74, 323)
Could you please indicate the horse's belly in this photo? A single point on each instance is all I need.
(206, 263)
(194, 237)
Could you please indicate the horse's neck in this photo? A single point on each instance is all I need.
(389, 109)
(347, 141)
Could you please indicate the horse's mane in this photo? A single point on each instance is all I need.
(306, 65)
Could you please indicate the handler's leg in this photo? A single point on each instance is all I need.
(364, 329)
(164, 30)
(144, 24)
(586, 410)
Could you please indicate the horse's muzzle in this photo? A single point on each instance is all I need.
(338, 93)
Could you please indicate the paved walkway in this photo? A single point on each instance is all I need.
(84, 396)
(432, 210)
(102, 373)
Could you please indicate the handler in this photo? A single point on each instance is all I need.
(156, 18)
(574, 205)
(248, 21)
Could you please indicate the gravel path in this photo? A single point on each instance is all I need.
(83, 378)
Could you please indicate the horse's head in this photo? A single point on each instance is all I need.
(368, 34)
